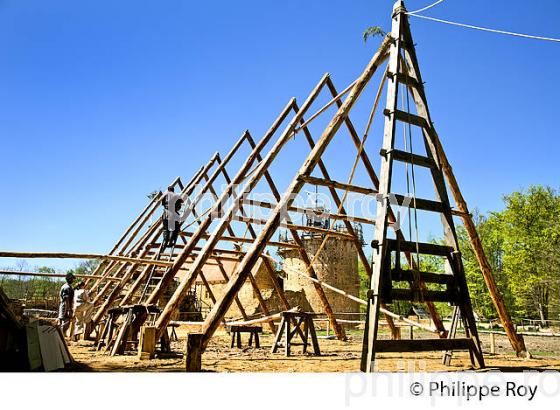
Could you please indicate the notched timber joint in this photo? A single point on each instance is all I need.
(371, 294)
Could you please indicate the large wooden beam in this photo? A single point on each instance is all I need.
(67, 255)
(383, 207)
(218, 311)
(338, 185)
(312, 212)
(50, 275)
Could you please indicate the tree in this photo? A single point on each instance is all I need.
(491, 233)
(373, 31)
(522, 244)
(531, 226)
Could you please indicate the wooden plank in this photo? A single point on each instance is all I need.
(147, 343)
(423, 345)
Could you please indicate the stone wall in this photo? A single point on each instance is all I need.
(337, 265)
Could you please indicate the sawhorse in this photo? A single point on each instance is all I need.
(299, 319)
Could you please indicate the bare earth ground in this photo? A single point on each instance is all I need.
(337, 356)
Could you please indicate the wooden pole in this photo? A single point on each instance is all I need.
(193, 354)
(492, 343)
(66, 255)
(218, 311)
(51, 275)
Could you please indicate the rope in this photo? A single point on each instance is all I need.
(490, 30)
(425, 8)
(416, 275)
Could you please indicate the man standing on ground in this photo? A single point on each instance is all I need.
(82, 309)
(65, 309)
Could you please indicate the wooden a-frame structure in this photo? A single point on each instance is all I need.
(140, 272)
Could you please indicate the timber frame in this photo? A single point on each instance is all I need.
(138, 272)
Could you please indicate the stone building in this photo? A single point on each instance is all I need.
(336, 265)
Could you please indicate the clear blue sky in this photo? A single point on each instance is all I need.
(91, 92)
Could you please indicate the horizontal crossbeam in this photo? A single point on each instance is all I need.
(338, 185)
(423, 345)
(420, 247)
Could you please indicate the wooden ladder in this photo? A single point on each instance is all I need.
(423, 286)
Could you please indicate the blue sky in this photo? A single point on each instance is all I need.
(93, 93)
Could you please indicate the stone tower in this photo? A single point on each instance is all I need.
(337, 265)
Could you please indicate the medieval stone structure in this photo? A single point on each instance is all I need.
(336, 265)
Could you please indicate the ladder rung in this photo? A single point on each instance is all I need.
(406, 79)
(423, 248)
(415, 159)
(407, 117)
(426, 295)
(401, 275)
(419, 203)
(423, 345)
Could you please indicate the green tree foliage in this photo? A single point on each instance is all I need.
(531, 224)
(522, 243)
(374, 31)
(41, 292)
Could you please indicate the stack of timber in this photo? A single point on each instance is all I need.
(25, 345)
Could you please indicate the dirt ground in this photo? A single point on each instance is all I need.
(336, 356)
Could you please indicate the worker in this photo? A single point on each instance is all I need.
(65, 309)
(172, 204)
(82, 309)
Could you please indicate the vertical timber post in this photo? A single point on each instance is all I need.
(193, 353)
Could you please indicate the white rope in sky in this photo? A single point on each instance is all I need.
(426, 8)
(491, 30)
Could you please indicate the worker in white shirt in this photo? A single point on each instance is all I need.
(82, 309)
